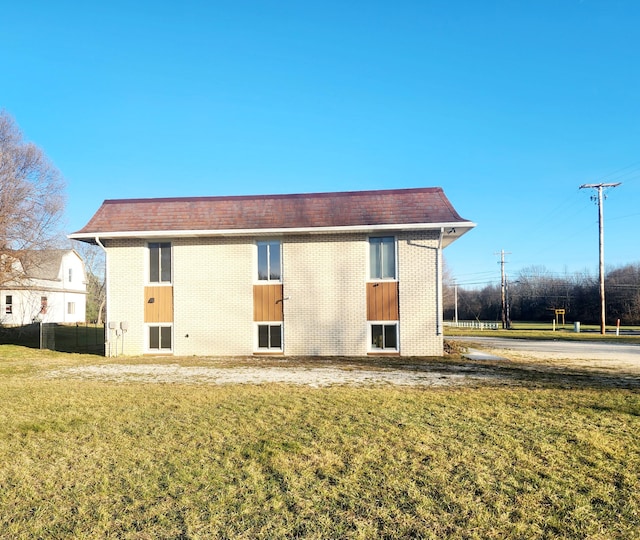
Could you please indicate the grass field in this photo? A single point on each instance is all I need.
(525, 330)
(82, 459)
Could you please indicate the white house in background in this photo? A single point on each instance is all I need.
(51, 288)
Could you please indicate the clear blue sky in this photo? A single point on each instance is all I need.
(509, 106)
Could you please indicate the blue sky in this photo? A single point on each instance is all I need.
(509, 106)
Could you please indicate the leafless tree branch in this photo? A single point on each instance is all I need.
(31, 199)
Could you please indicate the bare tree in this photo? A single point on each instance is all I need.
(448, 286)
(94, 266)
(623, 294)
(31, 200)
(538, 292)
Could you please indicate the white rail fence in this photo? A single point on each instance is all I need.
(478, 325)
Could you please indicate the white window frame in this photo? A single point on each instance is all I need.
(147, 340)
(256, 345)
(257, 261)
(147, 264)
(373, 349)
(395, 254)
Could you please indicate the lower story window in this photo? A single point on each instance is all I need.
(270, 337)
(8, 301)
(160, 338)
(71, 308)
(384, 337)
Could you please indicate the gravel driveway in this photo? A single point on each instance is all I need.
(501, 362)
(309, 376)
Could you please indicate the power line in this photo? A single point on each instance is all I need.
(624, 217)
(634, 167)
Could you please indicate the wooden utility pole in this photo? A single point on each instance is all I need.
(599, 199)
(503, 281)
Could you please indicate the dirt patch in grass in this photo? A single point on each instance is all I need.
(515, 369)
(309, 376)
(351, 372)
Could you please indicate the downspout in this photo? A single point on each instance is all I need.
(107, 345)
(439, 285)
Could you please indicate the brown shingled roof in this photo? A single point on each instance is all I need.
(255, 212)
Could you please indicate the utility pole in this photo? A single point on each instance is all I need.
(503, 281)
(599, 199)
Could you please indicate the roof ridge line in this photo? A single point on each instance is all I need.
(319, 194)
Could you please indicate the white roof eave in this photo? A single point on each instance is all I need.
(452, 230)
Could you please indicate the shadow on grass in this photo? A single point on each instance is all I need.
(480, 372)
(535, 375)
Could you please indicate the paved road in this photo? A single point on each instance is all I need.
(584, 350)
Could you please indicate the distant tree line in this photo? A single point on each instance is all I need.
(535, 293)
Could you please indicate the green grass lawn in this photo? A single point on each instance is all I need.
(81, 459)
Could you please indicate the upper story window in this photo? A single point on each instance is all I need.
(159, 262)
(269, 260)
(70, 275)
(382, 257)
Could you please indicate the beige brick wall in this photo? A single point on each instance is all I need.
(324, 279)
(213, 301)
(419, 312)
(125, 302)
(213, 296)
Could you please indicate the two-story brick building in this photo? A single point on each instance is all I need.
(349, 273)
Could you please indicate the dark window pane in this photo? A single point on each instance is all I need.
(165, 337)
(375, 259)
(382, 257)
(263, 336)
(263, 269)
(376, 336)
(390, 336)
(274, 260)
(154, 337)
(154, 263)
(276, 336)
(388, 258)
(165, 262)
